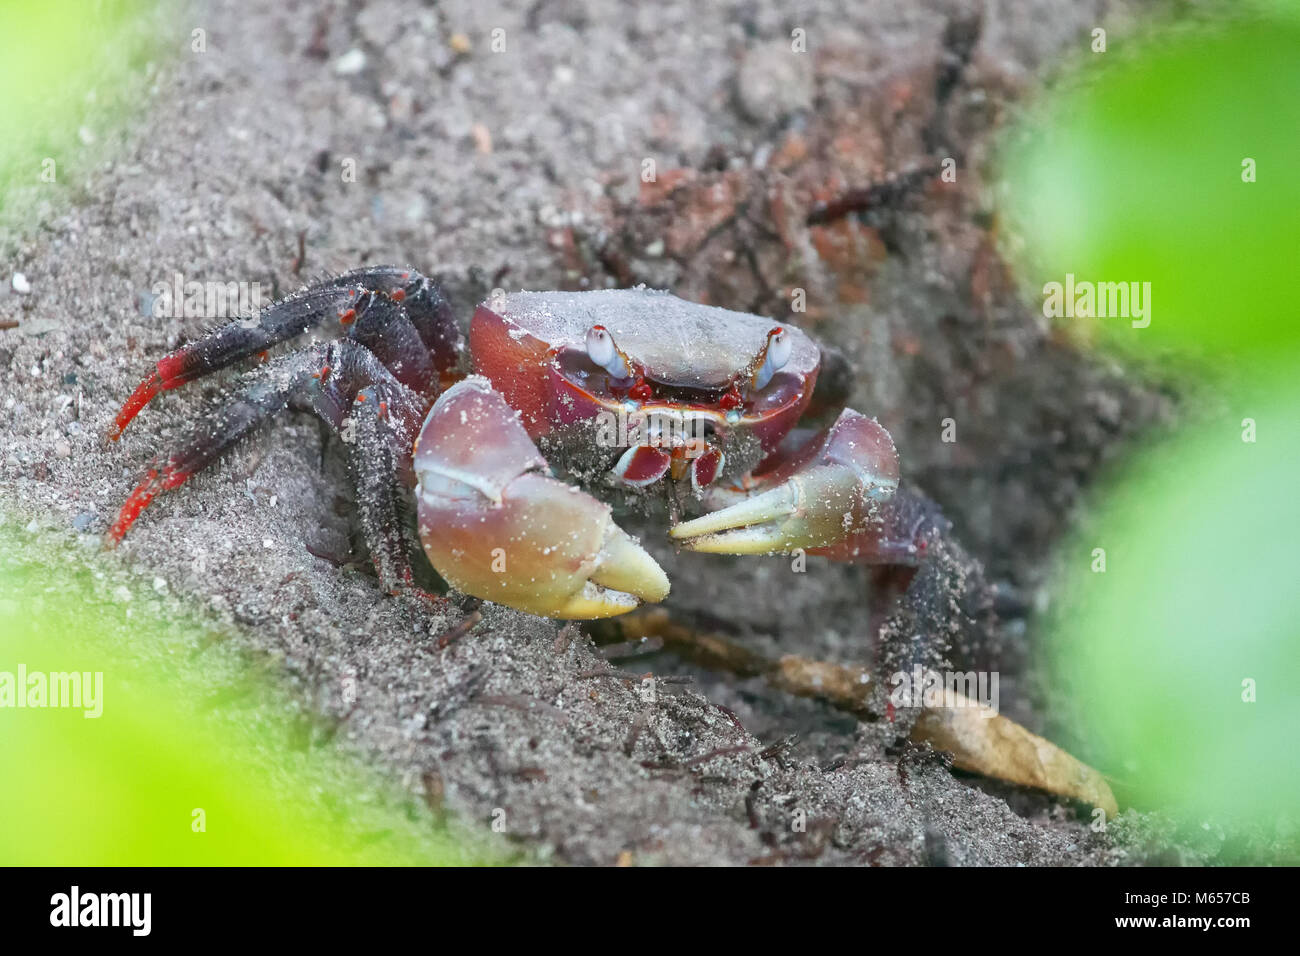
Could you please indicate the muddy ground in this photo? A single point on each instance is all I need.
(775, 171)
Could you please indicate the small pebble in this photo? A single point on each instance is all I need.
(268, 543)
(121, 594)
(83, 521)
(350, 63)
(774, 81)
(62, 449)
(160, 585)
(20, 284)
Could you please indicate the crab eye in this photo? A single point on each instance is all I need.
(779, 347)
(777, 353)
(601, 350)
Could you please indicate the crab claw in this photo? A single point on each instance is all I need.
(830, 490)
(495, 525)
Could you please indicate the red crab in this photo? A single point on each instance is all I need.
(624, 389)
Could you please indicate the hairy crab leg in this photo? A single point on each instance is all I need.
(370, 306)
(425, 305)
(382, 326)
(326, 376)
(380, 462)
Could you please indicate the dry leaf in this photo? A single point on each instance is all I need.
(985, 742)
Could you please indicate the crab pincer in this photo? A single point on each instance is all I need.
(496, 525)
(828, 493)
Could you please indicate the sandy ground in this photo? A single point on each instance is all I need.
(521, 168)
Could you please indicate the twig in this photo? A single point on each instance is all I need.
(844, 686)
(520, 702)
(302, 252)
(980, 740)
(450, 637)
(778, 749)
(637, 678)
(715, 754)
(634, 734)
(645, 645)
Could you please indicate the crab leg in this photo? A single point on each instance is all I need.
(368, 304)
(327, 377)
(379, 459)
(832, 497)
(425, 306)
(495, 525)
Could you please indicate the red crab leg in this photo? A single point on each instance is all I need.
(398, 314)
(425, 305)
(327, 376)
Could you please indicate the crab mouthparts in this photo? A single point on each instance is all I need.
(723, 401)
(643, 465)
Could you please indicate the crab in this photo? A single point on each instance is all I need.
(517, 444)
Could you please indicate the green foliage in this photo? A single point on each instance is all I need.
(69, 71)
(1194, 615)
(183, 728)
(1132, 171)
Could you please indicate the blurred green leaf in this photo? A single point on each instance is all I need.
(1195, 612)
(69, 71)
(123, 788)
(1133, 172)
